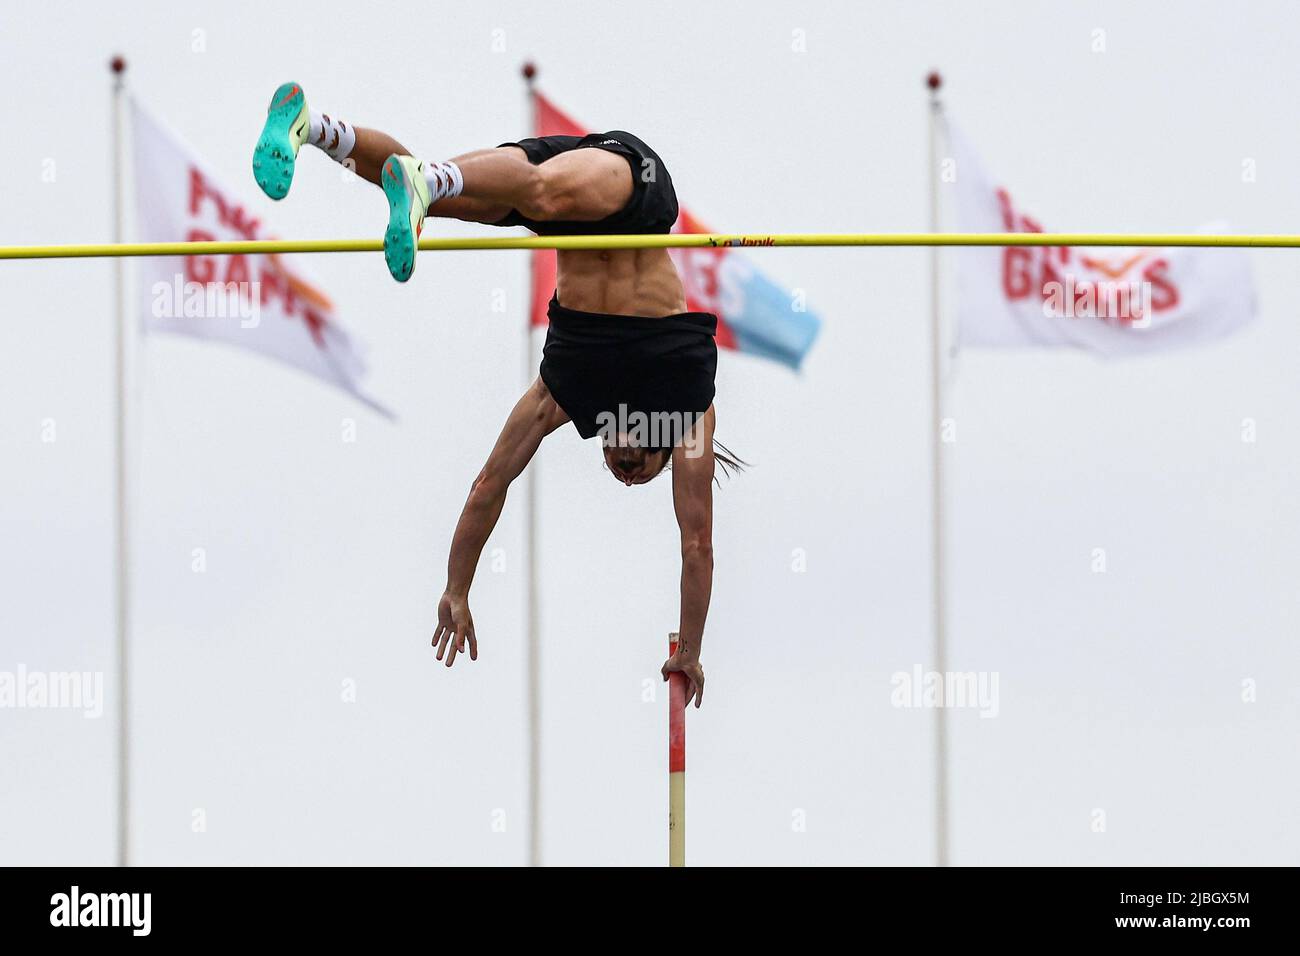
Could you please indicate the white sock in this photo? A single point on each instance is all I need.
(444, 179)
(333, 137)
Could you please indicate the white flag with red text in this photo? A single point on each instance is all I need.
(259, 301)
(1110, 301)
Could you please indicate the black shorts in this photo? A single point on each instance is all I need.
(603, 369)
(652, 208)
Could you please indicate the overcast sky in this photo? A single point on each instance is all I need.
(1119, 692)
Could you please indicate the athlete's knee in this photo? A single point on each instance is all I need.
(547, 197)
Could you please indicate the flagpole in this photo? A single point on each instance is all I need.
(121, 489)
(940, 647)
(533, 637)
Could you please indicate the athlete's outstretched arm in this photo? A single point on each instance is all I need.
(693, 501)
(535, 416)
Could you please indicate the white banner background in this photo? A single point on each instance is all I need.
(279, 313)
(1198, 294)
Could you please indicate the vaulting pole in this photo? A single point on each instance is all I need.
(676, 762)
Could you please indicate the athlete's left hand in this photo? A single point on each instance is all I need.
(688, 664)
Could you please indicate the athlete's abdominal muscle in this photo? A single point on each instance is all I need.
(620, 282)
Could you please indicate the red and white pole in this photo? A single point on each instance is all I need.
(676, 763)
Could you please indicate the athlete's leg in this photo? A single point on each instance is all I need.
(582, 185)
(372, 148)
(366, 158)
(290, 124)
(475, 208)
(579, 186)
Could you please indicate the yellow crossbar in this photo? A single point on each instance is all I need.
(675, 241)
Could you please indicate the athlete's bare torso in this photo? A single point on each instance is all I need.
(620, 282)
(585, 185)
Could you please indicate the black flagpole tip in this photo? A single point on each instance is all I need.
(117, 64)
(529, 70)
(934, 80)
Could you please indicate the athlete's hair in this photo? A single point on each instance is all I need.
(732, 464)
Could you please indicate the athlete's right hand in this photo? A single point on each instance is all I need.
(455, 628)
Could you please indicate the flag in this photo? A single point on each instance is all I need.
(1112, 301)
(755, 315)
(261, 302)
